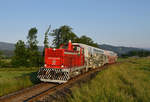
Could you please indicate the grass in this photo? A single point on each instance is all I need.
(128, 81)
(13, 79)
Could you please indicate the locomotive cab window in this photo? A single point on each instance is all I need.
(76, 48)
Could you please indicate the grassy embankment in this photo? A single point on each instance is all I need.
(128, 81)
(13, 79)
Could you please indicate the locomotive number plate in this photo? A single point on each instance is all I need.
(53, 61)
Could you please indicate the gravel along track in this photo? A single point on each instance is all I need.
(46, 92)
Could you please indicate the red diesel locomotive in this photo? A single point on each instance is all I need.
(63, 63)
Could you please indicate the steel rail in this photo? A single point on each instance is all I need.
(27, 93)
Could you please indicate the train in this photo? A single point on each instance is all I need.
(68, 61)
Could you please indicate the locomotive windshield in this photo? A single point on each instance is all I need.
(76, 48)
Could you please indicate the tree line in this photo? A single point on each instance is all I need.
(139, 53)
(27, 54)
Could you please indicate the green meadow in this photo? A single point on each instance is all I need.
(13, 79)
(127, 81)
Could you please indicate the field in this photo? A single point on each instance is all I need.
(13, 79)
(127, 81)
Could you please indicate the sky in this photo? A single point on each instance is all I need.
(114, 22)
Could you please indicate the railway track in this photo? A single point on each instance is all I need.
(27, 93)
(42, 91)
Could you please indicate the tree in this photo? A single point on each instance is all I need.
(62, 35)
(139, 53)
(46, 44)
(87, 40)
(0, 58)
(32, 36)
(33, 53)
(1, 55)
(20, 54)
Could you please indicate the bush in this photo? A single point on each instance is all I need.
(5, 63)
(140, 53)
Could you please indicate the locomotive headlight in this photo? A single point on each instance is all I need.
(62, 66)
(45, 65)
(54, 49)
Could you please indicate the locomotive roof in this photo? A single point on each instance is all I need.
(94, 48)
(84, 45)
(89, 47)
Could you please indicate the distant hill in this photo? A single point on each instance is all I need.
(118, 49)
(147, 49)
(8, 48)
